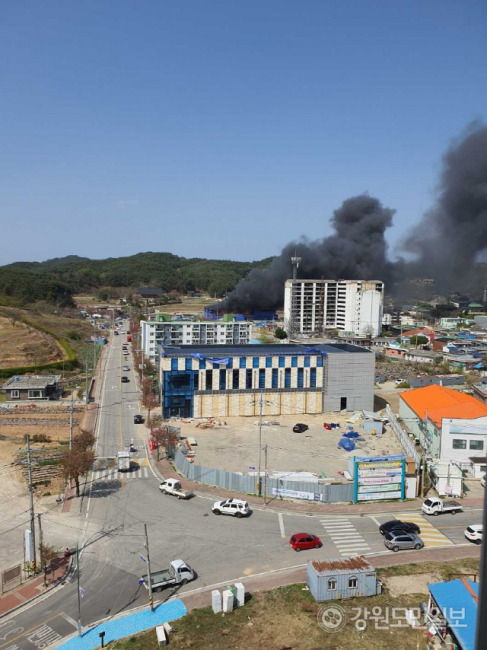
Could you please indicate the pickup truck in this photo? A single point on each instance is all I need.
(435, 506)
(173, 486)
(123, 461)
(178, 573)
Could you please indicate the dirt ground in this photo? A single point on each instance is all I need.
(234, 445)
(21, 345)
(411, 584)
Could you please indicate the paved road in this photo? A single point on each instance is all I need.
(117, 506)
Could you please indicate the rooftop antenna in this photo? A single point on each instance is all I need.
(295, 262)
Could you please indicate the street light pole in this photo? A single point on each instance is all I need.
(149, 575)
(79, 590)
(259, 483)
(31, 495)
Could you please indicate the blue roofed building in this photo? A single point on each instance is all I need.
(226, 380)
(452, 613)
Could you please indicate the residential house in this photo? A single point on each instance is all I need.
(32, 387)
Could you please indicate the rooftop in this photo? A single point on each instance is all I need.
(261, 350)
(358, 563)
(24, 382)
(458, 601)
(438, 402)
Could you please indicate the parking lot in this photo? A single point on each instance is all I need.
(233, 444)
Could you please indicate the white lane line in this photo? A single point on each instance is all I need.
(281, 524)
(69, 619)
(375, 520)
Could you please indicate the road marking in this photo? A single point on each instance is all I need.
(345, 536)
(430, 535)
(376, 521)
(281, 524)
(30, 630)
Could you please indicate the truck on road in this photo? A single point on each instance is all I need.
(123, 461)
(435, 506)
(173, 486)
(178, 573)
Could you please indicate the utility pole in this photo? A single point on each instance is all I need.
(259, 483)
(79, 590)
(265, 475)
(41, 548)
(149, 576)
(31, 495)
(71, 420)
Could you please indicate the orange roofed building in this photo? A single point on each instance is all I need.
(450, 425)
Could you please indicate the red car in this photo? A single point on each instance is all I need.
(303, 541)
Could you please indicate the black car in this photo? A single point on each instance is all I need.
(125, 380)
(396, 526)
(138, 419)
(300, 427)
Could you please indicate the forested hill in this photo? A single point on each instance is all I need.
(57, 280)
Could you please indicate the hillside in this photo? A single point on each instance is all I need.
(57, 280)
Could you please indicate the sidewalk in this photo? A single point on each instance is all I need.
(308, 507)
(33, 587)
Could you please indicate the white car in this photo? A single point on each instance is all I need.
(482, 481)
(474, 533)
(125, 368)
(235, 507)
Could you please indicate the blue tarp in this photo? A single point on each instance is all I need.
(347, 444)
(222, 362)
(315, 351)
(351, 434)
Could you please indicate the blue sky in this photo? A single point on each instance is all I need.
(224, 129)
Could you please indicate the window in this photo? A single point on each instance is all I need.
(281, 362)
(188, 363)
(306, 362)
(242, 362)
(300, 377)
(476, 444)
(268, 362)
(332, 584)
(35, 394)
(275, 380)
(209, 379)
(294, 362)
(14, 394)
(196, 380)
(174, 364)
(287, 378)
(236, 379)
(352, 583)
(319, 361)
(312, 377)
(202, 364)
(230, 363)
(255, 362)
(262, 378)
(248, 378)
(223, 377)
(459, 444)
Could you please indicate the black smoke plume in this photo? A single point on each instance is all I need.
(444, 245)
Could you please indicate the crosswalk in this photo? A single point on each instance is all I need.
(115, 475)
(430, 535)
(344, 535)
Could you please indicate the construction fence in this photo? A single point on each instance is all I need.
(404, 439)
(274, 488)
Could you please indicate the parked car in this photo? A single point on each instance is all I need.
(235, 507)
(300, 427)
(138, 419)
(126, 368)
(304, 541)
(474, 533)
(398, 382)
(125, 379)
(395, 525)
(398, 541)
(116, 333)
(482, 481)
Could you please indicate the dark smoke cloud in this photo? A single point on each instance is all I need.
(453, 234)
(444, 245)
(357, 250)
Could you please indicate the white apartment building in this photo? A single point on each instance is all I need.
(311, 306)
(179, 332)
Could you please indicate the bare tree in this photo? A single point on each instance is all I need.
(75, 464)
(166, 437)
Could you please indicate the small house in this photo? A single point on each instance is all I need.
(339, 579)
(451, 614)
(27, 387)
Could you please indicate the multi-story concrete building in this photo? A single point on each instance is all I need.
(181, 332)
(312, 306)
(224, 381)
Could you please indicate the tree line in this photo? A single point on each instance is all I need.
(56, 281)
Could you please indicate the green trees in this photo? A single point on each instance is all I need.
(280, 333)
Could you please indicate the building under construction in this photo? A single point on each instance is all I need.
(313, 306)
